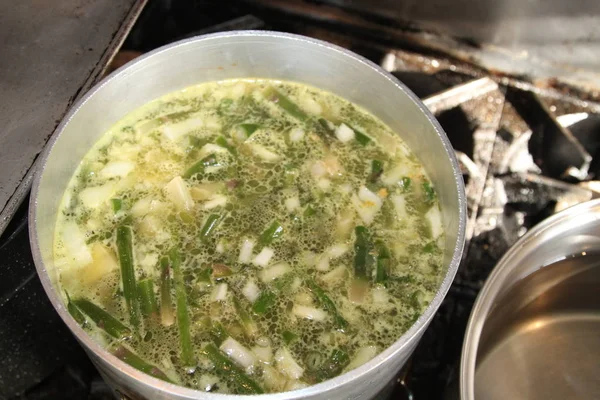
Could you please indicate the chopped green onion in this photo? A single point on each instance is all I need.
(274, 231)
(209, 226)
(383, 263)
(405, 183)
(361, 252)
(74, 311)
(117, 205)
(249, 129)
(234, 374)
(199, 166)
(430, 247)
(103, 319)
(285, 103)
(125, 251)
(136, 362)
(218, 333)
(221, 141)
(325, 302)
(309, 211)
(428, 191)
(167, 314)
(376, 170)
(288, 337)
(264, 302)
(360, 136)
(335, 363)
(183, 317)
(148, 305)
(247, 322)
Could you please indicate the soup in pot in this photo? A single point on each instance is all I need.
(249, 236)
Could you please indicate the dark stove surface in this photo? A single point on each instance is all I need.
(523, 151)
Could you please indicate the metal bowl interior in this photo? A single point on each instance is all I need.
(248, 54)
(534, 310)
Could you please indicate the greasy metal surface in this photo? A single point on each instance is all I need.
(522, 297)
(51, 53)
(235, 55)
(543, 336)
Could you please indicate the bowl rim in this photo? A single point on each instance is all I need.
(495, 283)
(416, 328)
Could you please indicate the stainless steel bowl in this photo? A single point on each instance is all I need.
(534, 332)
(241, 55)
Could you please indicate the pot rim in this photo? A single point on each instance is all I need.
(323, 387)
(496, 282)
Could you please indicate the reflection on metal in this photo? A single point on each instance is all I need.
(52, 53)
(460, 94)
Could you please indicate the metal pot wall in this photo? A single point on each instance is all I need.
(533, 332)
(242, 55)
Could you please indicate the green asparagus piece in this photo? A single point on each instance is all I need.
(209, 226)
(167, 315)
(136, 362)
(125, 250)
(285, 103)
(309, 211)
(148, 305)
(199, 166)
(74, 311)
(328, 304)
(335, 363)
(264, 302)
(274, 231)
(117, 205)
(249, 129)
(361, 252)
(247, 322)
(103, 319)
(383, 263)
(430, 247)
(183, 317)
(244, 383)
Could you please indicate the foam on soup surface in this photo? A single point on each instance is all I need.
(249, 236)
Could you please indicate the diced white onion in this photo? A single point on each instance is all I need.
(116, 169)
(251, 291)
(362, 355)
(263, 354)
(287, 365)
(309, 312)
(178, 193)
(292, 203)
(296, 135)
(345, 188)
(399, 203)
(246, 251)
(337, 274)
(74, 241)
(435, 221)
(263, 258)
(177, 130)
(263, 341)
(318, 169)
(263, 152)
(380, 295)
(338, 250)
(219, 292)
(324, 184)
(238, 90)
(216, 201)
(273, 272)
(322, 263)
(210, 148)
(237, 352)
(295, 385)
(272, 378)
(310, 105)
(296, 283)
(367, 204)
(303, 298)
(344, 133)
(93, 196)
(392, 176)
(220, 247)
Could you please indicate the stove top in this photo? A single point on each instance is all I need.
(526, 152)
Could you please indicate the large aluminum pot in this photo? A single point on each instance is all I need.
(533, 332)
(242, 55)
